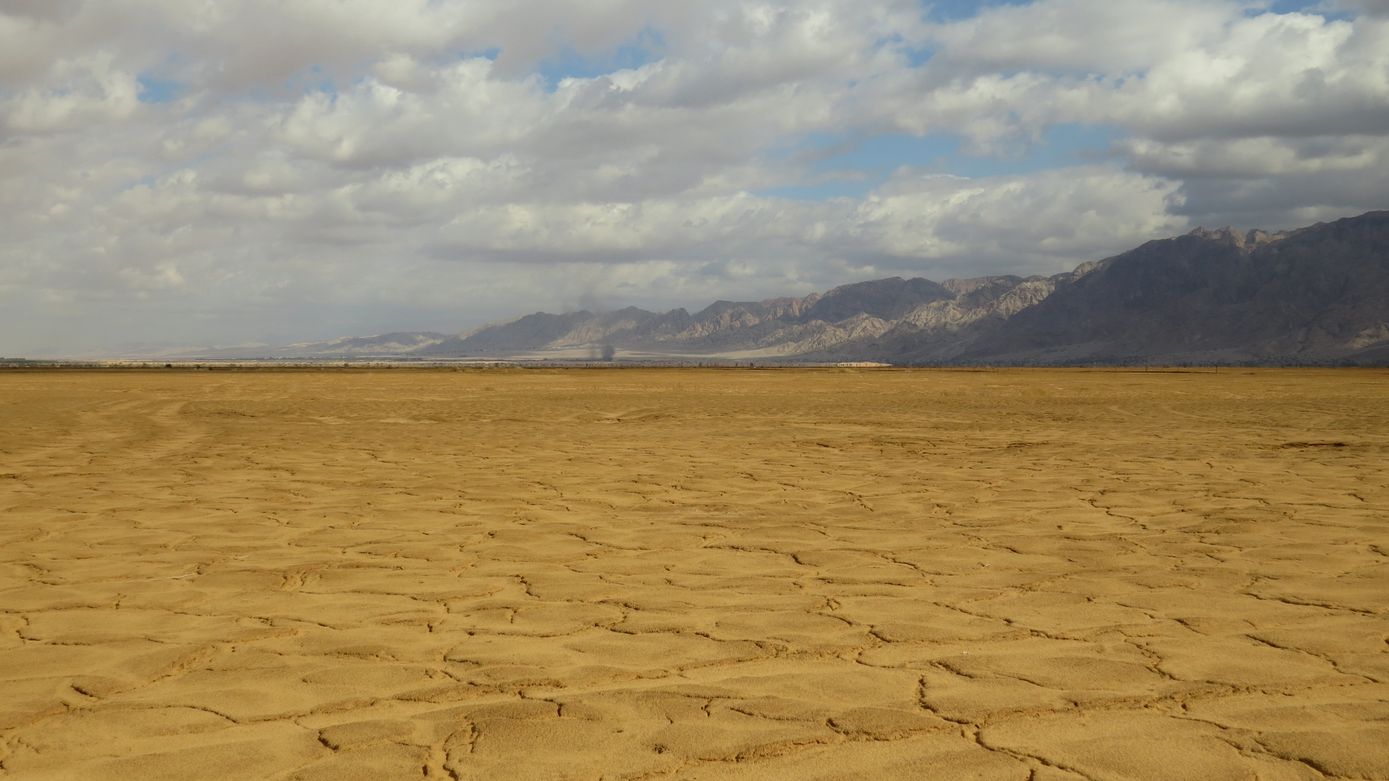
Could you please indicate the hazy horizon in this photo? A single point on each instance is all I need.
(268, 173)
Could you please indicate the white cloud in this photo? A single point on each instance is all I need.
(1037, 223)
(1281, 75)
(74, 94)
(1084, 36)
(339, 165)
(1203, 70)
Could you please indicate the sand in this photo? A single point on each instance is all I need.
(694, 574)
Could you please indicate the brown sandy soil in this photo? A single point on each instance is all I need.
(694, 574)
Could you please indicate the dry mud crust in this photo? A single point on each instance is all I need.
(694, 574)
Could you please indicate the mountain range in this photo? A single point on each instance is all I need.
(1316, 295)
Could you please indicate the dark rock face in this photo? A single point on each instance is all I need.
(1315, 295)
(885, 299)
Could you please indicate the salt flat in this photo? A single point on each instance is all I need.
(694, 574)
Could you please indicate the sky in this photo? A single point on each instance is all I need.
(226, 172)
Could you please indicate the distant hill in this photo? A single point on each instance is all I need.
(1315, 295)
(1312, 296)
(390, 345)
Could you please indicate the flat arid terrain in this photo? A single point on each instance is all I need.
(797, 574)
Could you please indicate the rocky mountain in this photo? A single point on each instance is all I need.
(1315, 295)
(774, 327)
(367, 346)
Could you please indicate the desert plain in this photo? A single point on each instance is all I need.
(623, 573)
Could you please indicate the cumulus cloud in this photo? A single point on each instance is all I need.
(1036, 223)
(1083, 36)
(74, 93)
(257, 169)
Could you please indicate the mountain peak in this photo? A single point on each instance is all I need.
(1247, 241)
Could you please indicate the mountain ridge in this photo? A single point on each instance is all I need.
(1313, 295)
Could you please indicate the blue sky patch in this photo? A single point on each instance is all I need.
(851, 168)
(646, 47)
(1299, 6)
(954, 10)
(153, 90)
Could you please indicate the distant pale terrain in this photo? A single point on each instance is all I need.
(798, 574)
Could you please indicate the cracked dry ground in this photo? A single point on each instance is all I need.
(694, 574)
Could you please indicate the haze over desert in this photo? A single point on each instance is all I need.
(640, 573)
